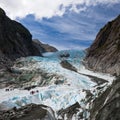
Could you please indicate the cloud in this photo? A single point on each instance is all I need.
(72, 30)
(71, 23)
(70, 46)
(48, 8)
(73, 27)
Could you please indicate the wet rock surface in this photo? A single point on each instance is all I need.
(28, 112)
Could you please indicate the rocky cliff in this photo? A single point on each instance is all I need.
(104, 53)
(104, 56)
(15, 40)
(107, 105)
(43, 47)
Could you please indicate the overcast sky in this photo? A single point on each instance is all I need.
(66, 24)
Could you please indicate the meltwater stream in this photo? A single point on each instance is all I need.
(57, 96)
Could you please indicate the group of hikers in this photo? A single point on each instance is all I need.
(9, 89)
(33, 92)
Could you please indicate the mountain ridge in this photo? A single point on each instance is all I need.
(43, 47)
(104, 54)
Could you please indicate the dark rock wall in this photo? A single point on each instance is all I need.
(107, 105)
(104, 56)
(15, 39)
(104, 53)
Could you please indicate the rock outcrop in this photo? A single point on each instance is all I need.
(28, 112)
(107, 105)
(65, 64)
(104, 53)
(104, 56)
(70, 112)
(43, 47)
(15, 40)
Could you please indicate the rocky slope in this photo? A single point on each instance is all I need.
(28, 112)
(107, 105)
(104, 53)
(15, 40)
(104, 56)
(43, 47)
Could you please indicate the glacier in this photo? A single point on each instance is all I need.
(57, 96)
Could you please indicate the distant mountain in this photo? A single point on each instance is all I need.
(43, 47)
(104, 53)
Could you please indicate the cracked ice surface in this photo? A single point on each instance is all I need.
(55, 96)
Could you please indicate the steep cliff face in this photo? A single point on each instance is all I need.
(107, 105)
(104, 56)
(43, 47)
(15, 41)
(104, 53)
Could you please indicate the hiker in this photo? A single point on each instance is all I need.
(6, 89)
(32, 92)
(37, 91)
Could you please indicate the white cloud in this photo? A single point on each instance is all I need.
(47, 8)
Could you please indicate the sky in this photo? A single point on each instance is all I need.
(65, 24)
